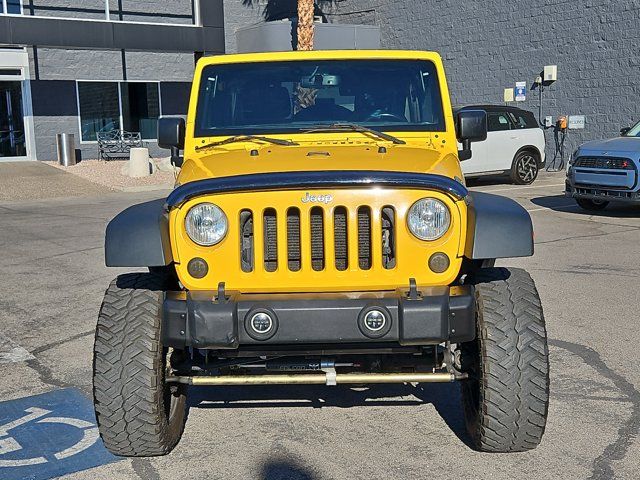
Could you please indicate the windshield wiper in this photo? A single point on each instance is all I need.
(354, 127)
(242, 138)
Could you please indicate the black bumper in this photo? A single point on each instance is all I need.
(436, 315)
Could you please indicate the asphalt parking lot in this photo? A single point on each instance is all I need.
(586, 268)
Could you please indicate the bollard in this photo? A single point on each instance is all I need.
(139, 165)
(66, 146)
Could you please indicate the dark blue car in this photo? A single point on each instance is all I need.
(606, 170)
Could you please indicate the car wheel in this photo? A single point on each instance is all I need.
(524, 169)
(592, 205)
(139, 414)
(506, 396)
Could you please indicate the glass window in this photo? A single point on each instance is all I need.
(524, 119)
(99, 108)
(400, 95)
(498, 121)
(14, 6)
(140, 108)
(634, 131)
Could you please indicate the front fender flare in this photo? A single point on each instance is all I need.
(497, 227)
(139, 237)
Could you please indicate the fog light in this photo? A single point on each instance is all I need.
(197, 267)
(439, 262)
(261, 323)
(375, 320)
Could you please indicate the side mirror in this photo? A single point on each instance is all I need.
(624, 131)
(471, 126)
(171, 136)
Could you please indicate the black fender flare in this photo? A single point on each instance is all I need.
(139, 237)
(497, 227)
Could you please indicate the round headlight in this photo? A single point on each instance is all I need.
(206, 224)
(428, 219)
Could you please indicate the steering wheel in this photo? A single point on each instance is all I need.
(384, 115)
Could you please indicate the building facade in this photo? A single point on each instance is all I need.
(97, 65)
(86, 66)
(488, 46)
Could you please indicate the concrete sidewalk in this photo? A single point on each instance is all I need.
(37, 180)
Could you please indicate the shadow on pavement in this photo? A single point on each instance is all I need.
(560, 203)
(489, 180)
(285, 470)
(445, 397)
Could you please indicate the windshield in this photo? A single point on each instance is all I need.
(634, 132)
(401, 95)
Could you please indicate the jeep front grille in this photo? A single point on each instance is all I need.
(324, 234)
(294, 255)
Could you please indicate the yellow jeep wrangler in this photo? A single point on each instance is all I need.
(320, 232)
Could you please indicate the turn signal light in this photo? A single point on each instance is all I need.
(439, 262)
(197, 267)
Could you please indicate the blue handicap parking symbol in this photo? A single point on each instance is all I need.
(49, 435)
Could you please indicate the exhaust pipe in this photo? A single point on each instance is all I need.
(318, 379)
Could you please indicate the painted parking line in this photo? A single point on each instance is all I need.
(11, 352)
(49, 435)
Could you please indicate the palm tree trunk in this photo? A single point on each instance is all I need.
(306, 9)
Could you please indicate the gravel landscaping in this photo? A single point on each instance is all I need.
(109, 174)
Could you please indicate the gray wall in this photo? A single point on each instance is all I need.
(237, 15)
(487, 46)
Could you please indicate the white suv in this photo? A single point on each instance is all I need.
(514, 145)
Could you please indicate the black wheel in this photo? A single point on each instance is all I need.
(138, 414)
(506, 397)
(592, 205)
(524, 169)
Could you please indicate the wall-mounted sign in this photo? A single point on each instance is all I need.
(508, 94)
(576, 122)
(521, 91)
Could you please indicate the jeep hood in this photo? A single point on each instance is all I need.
(218, 162)
(618, 144)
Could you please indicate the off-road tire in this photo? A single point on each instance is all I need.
(138, 414)
(524, 168)
(591, 205)
(506, 397)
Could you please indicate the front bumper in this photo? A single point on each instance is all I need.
(599, 192)
(428, 316)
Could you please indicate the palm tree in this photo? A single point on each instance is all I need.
(303, 10)
(306, 9)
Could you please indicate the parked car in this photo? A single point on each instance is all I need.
(604, 170)
(514, 145)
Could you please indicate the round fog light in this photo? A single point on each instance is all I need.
(261, 323)
(197, 267)
(375, 320)
(439, 262)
